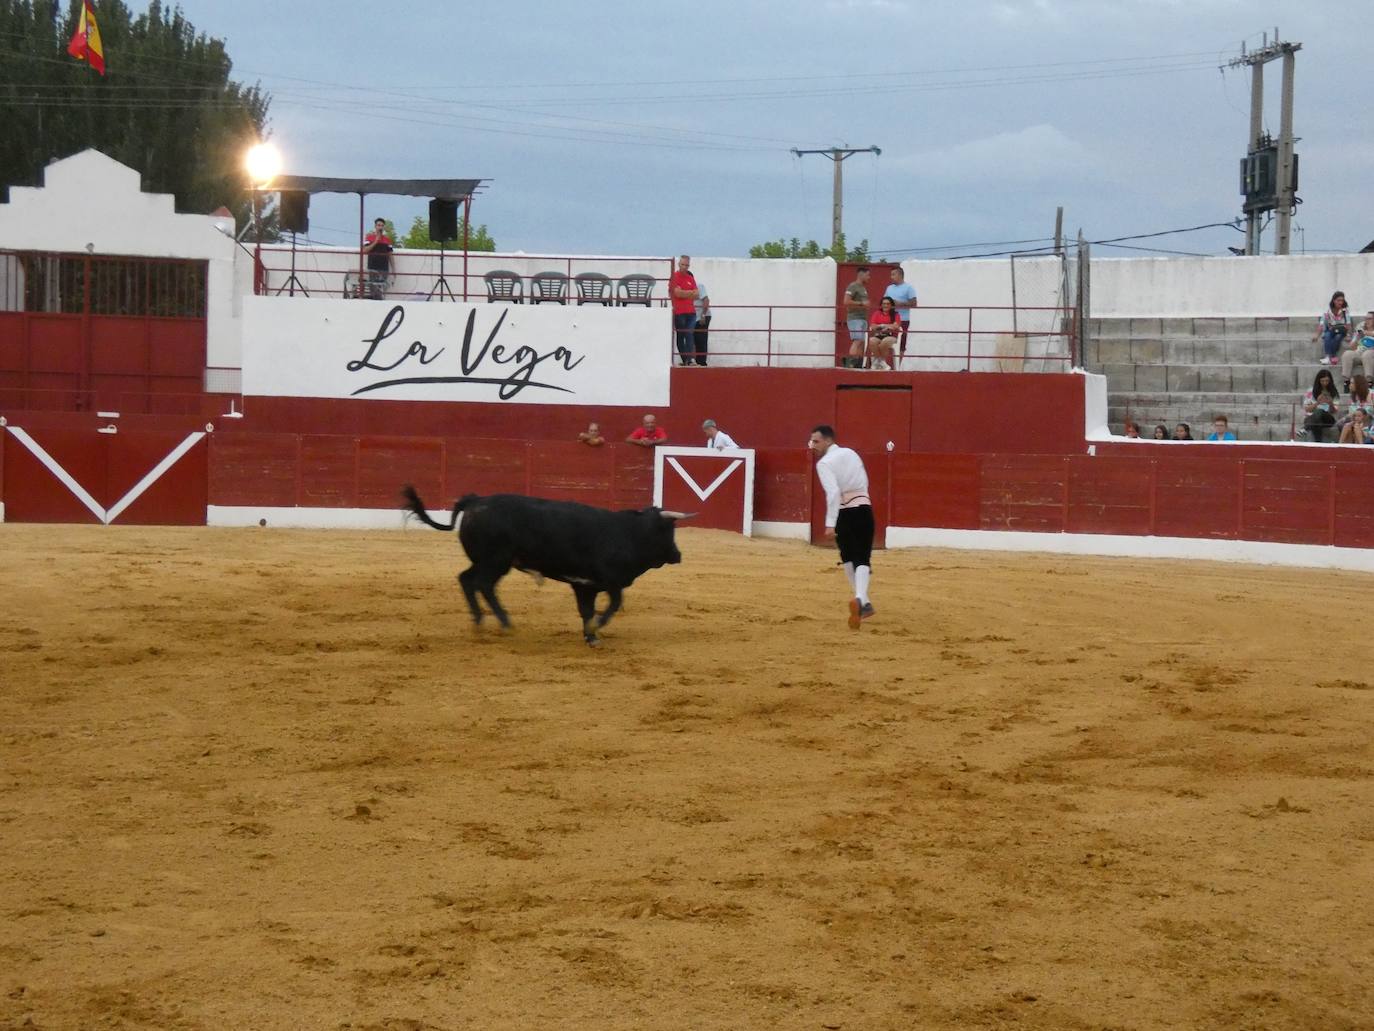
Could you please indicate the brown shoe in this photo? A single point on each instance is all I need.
(855, 613)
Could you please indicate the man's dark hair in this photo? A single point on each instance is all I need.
(862, 268)
(828, 432)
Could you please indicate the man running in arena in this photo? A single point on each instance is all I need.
(848, 515)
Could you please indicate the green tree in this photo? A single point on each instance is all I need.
(418, 237)
(165, 106)
(794, 248)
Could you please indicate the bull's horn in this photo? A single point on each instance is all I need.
(676, 515)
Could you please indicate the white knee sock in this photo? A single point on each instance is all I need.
(849, 574)
(861, 575)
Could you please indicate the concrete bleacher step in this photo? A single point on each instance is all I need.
(1217, 379)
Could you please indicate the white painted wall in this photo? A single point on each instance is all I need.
(1230, 286)
(91, 203)
(401, 351)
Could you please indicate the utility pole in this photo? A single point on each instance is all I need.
(837, 155)
(1269, 172)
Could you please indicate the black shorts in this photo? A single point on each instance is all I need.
(854, 534)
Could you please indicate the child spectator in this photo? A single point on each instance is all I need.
(1161, 432)
(1333, 327)
(591, 436)
(1132, 430)
(1360, 398)
(1183, 432)
(1356, 430)
(1220, 430)
(650, 434)
(1321, 408)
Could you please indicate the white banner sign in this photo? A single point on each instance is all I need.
(518, 354)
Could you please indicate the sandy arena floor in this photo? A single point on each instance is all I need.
(262, 779)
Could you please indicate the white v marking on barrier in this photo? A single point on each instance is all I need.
(703, 494)
(66, 478)
(84, 496)
(154, 474)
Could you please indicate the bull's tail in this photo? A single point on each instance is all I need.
(416, 507)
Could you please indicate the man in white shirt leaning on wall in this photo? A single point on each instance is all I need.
(848, 516)
(716, 438)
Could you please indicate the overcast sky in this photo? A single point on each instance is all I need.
(643, 128)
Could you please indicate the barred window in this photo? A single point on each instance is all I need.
(142, 287)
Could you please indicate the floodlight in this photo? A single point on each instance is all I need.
(263, 162)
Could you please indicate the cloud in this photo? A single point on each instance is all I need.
(870, 6)
(1035, 153)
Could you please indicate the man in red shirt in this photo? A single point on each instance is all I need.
(682, 288)
(651, 434)
(378, 247)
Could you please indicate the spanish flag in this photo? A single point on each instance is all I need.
(85, 44)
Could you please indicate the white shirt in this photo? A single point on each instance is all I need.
(722, 442)
(702, 296)
(845, 480)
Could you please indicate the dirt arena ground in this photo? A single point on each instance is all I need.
(273, 779)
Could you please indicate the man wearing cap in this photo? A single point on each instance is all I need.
(716, 438)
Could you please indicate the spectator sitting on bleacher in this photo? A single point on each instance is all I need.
(1360, 398)
(1333, 327)
(1356, 429)
(1132, 430)
(1221, 430)
(1183, 432)
(1321, 408)
(1161, 432)
(1361, 347)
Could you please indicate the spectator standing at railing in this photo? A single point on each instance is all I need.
(1221, 430)
(682, 288)
(591, 436)
(1333, 327)
(904, 295)
(716, 438)
(856, 317)
(378, 247)
(703, 326)
(649, 434)
(1361, 347)
(884, 329)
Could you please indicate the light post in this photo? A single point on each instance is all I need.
(262, 162)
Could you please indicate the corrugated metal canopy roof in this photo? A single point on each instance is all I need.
(448, 189)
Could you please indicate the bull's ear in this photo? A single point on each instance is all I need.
(676, 516)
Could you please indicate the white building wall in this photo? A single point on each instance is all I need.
(1230, 286)
(91, 203)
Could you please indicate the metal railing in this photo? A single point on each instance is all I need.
(435, 275)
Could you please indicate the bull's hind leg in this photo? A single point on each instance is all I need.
(486, 583)
(612, 606)
(586, 608)
(467, 580)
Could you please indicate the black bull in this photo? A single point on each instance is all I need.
(591, 549)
